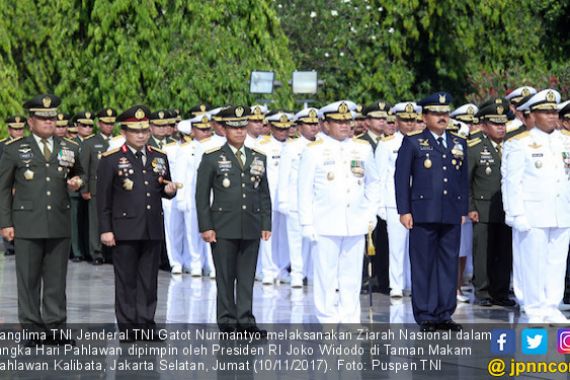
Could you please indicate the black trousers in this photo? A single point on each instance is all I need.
(492, 260)
(235, 261)
(381, 261)
(136, 276)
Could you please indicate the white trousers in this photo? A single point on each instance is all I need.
(299, 248)
(200, 255)
(517, 269)
(176, 247)
(273, 253)
(542, 264)
(337, 264)
(398, 243)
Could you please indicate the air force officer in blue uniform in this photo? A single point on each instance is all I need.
(431, 197)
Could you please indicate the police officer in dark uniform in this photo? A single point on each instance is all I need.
(432, 198)
(35, 175)
(131, 180)
(492, 249)
(238, 217)
(93, 148)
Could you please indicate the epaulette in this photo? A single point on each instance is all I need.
(473, 142)
(187, 138)
(117, 137)
(360, 141)
(110, 152)
(4, 139)
(264, 141)
(206, 139)
(520, 135)
(316, 142)
(565, 132)
(474, 133)
(13, 141)
(359, 136)
(157, 150)
(213, 150)
(71, 141)
(88, 137)
(172, 143)
(259, 151)
(388, 138)
(457, 135)
(413, 133)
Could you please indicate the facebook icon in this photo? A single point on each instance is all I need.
(503, 342)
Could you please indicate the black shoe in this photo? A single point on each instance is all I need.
(9, 253)
(506, 302)
(449, 325)
(77, 259)
(427, 326)
(485, 302)
(98, 261)
(255, 331)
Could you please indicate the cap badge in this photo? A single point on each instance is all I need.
(312, 114)
(343, 108)
(139, 114)
(239, 111)
(525, 92)
(382, 106)
(470, 110)
(202, 108)
(109, 112)
(442, 99)
(550, 96)
(17, 118)
(88, 115)
(60, 116)
(205, 120)
(359, 108)
(257, 111)
(46, 101)
(161, 115)
(283, 119)
(500, 110)
(409, 108)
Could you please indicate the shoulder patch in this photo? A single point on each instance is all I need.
(473, 142)
(520, 135)
(110, 152)
(474, 133)
(316, 142)
(413, 133)
(360, 141)
(156, 149)
(71, 141)
(388, 138)
(13, 141)
(212, 150)
(258, 151)
(457, 135)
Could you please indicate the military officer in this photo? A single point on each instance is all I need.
(255, 127)
(92, 149)
(492, 253)
(432, 196)
(386, 154)
(307, 121)
(538, 187)
(517, 98)
(273, 253)
(376, 115)
(35, 174)
(339, 183)
(217, 126)
(61, 124)
(239, 215)
(564, 115)
(159, 121)
(359, 126)
(131, 181)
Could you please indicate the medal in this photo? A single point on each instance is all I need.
(538, 164)
(330, 176)
(128, 184)
(488, 170)
(226, 182)
(29, 175)
(427, 162)
(454, 162)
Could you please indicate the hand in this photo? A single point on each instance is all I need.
(382, 213)
(521, 223)
(209, 236)
(265, 235)
(108, 239)
(463, 220)
(309, 232)
(407, 221)
(74, 183)
(474, 216)
(170, 188)
(86, 196)
(8, 233)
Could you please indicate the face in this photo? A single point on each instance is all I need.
(236, 136)
(265, 130)
(565, 123)
(255, 128)
(16, 132)
(105, 128)
(159, 131)
(405, 126)
(280, 134)
(420, 125)
(309, 131)
(60, 131)
(546, 121)
(359, 126)
(42, 127)
(293, 131)
(137, 138)
(376, 125)
(436, 121)
(390, 128)
(339, 129)
(71, 135)
(496, 132)
(218, 128)
(201, 134)
(84, 130)
(169, 129)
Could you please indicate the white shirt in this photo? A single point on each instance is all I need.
(250, 141)
(386, 155)
(272, 148)
(143, 151)
(41, 144)
(436, 137)
(289, 174)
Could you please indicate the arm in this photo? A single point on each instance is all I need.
(85, 161)
(105, 174)
(305, 187)
(514, 173)
(381, 157)
(7, 170)
(265, 203)
(372, 190)
(169, 189)
(204, 184)
(283, 183)
(402, 177)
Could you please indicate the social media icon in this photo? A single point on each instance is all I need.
(534, 341)
(503, 342)
(563, 341)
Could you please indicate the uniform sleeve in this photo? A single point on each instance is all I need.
(381, 158)
(85, 160)
(372, 191)
(79, 170)
(105, 173)
(180, 172)
(504, 159)
(305, 188)
(465, 181)
(283, 182)
(513, 179)
(7, 170)
(402, 177)
(168, 177)
(265, 203)
(204, 184)
(471, 153)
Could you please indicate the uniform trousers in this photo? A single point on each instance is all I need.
(434, 252)
(95, 248)
(42, 262)
(136, 271)
(337, 264)
(517, 260)
(299, 248)
(200, 252)
(174, 233)
(542, 264)
(273, 255)
(398, 237)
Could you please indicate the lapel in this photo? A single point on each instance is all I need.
(149, 156)
(55, 150)
(132, 158)
(248, 158)
(231, 156)
(434, 143)
(39, 150)
(35, 147)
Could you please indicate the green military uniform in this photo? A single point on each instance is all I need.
(492, 252)
(34, 201)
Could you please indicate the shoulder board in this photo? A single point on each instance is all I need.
(110, 152)
(473, 142)
(520, 135)
(316, 142)
(88, 137)
(475, 132)
(156, 149)
(13, 141)
(360, 141)
(206, 139)
(457, 135)
(71, 141)
(213, 150)
(258, 151)
(359, 136)
(4, 139)
(388, 138)
(264, 141)
(565, 132)
(511, 126)
(187, 138)
(118, 137)
(171, 143)
(414, 133)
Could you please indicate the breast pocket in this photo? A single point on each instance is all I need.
(23, 206)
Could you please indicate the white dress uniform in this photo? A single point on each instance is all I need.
(273, 253)
(299, 247)
(338, 200)
(398, 235)
(537, 184)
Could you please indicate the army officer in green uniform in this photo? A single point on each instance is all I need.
(238, 217)
(40, 168)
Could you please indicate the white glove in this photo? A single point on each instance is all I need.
(509, 220)
(309, 232)
(382, 213)
(520, 223)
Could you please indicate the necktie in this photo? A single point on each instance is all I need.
(500, 150)
(239, 155)
(440, 142)
(160, 144)
(139, 155)
(46, 151)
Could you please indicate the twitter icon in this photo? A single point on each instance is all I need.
(534, 341)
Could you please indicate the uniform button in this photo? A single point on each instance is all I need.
(47, 164)
(144, 171)
(242, 174)
(146, 183)
(444, 192)
(21, 207)
(481, 197)
(124, 214)
(243, 207)
(49, 207)
(148, 194)
(244, 195)
(220, 209)
(48, 193)
(348, 191)
(148, 207)
(348, 205)
(48, 179)
(444, 156)
(445, 168)
(421, 197)
(445, 180)
(243, 185)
